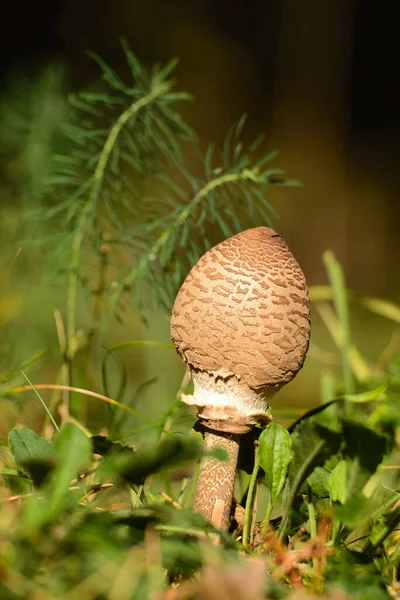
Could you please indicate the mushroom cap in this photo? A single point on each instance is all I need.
(242, 316)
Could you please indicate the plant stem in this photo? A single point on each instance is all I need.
(188, 503)
(90, 204)
(217, 479)
(65, 367)
(249, 502)
(311, 513)
(340, 300)
(313, 522)
(40, 399)
(50, 386)
(97, 309)
(287, 511)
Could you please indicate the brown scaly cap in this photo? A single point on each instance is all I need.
(241, 322)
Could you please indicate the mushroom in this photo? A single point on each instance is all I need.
(241, 322)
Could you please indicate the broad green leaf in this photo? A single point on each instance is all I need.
(386, 415)
(26, 444)
(73, 452)
(364, 451)
(355, 512)
(338, 482)
(17, 482)
(103, 446)
(275, 451)
(39, 469)
(384, 526)
(312, 444)
(333, 423)
(135, 466)
(318, 482)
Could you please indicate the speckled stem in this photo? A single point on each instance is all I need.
(217, 479)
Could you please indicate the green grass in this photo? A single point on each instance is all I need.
(83, 515)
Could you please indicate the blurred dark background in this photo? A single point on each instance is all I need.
(319, 77)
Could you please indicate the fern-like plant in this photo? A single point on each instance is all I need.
(123, 136)
(125, 214)
(233, 191)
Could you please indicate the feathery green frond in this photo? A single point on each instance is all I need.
(122, 183)
(118, 137)
(235, 187)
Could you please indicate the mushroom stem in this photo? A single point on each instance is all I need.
(217, 479)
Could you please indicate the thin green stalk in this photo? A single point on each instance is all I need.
(192, 489)
(184, 485)
(50, 386)
(198, 533)
(311, 513)
(327, 387)
(97, 306)
(138, 497)
(54, 400)
(268, 514)
(339, 290)
(242, 482)
(10, 374)
(65, 367)
(356, 362)
(286, 517)
(391, 522)
(248, 517)
(89, 210)
(335, 532)
(41, 400)
(90, 204)
(312, 521)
